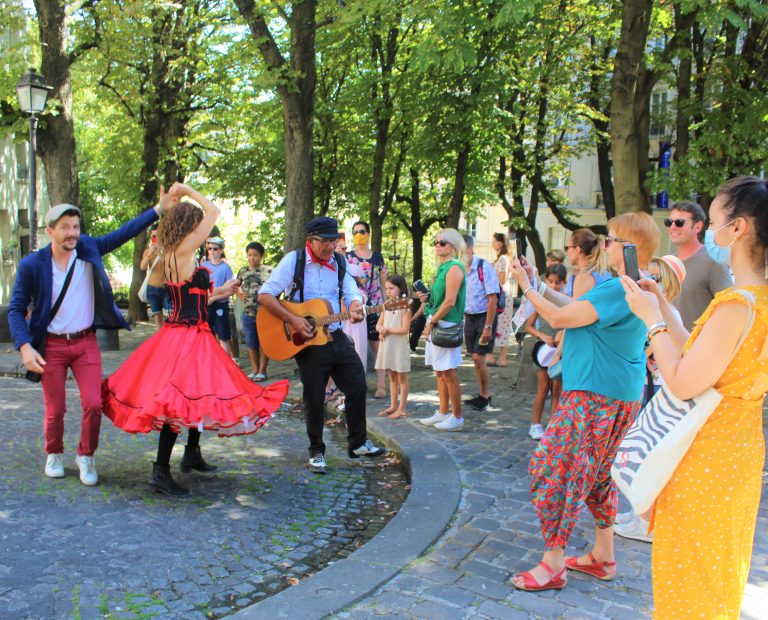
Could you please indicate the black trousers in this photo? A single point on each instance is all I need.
(336, 359)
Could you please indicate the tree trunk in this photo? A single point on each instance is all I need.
(165, 118)
(459, 186)
(602, 134)
(296, 87)
(625, 141)
(56, 134)
(683, 24)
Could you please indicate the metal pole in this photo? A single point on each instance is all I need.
(32, 210)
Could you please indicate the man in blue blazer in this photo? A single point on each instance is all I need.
(68, 336)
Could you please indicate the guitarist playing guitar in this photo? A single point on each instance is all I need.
(324, 277)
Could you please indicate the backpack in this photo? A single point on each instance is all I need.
(501, 302)
(298, 274)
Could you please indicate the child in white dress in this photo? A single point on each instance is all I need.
(394, 352)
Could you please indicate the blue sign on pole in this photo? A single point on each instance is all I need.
(665, 162)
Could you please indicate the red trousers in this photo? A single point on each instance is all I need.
(84, 358)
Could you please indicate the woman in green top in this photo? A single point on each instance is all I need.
(445, 308)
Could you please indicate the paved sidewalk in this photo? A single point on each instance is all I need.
(492, 534)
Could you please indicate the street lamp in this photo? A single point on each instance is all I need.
(32, 92)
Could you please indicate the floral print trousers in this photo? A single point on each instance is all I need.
(572, 464)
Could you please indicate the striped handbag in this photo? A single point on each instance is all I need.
(661, 435)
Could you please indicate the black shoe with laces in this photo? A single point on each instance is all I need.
(473, 400)
(367, 449)
(481, 403)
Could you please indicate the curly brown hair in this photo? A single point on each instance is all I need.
(181, 221)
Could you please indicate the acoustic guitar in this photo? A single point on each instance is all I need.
(279, 341)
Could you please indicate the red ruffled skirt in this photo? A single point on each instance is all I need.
(181, 376)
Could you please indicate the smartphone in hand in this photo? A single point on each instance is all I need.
(630, 261)
(420, 287)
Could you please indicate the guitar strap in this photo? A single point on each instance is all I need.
(298, 274)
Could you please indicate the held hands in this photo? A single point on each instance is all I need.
(31, 359)
(356, 314)
(645, 305)
(519, 271)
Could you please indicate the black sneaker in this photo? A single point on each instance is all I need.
(472, 401)
(481, 403)
(367, 449)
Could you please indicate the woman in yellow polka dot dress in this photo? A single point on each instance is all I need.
(704, 519)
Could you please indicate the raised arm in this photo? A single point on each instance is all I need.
(197, 237)
(687, 376)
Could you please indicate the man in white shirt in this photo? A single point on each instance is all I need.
(68, 333)
(323, 276)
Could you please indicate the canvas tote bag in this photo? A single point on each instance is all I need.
(661, 435)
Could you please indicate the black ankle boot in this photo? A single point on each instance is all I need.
(164, 483)
(193, 459)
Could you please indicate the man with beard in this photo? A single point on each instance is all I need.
(69, 290)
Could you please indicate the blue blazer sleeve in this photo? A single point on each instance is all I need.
(111, 241)
(17, 308)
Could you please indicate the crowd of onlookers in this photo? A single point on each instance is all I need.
(607, 339)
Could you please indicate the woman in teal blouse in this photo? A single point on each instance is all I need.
(445, 308)
(603, 372)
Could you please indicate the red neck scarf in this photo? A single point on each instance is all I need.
(313, 258)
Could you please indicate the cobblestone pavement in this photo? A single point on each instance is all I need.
(495, 534)
(118, 550)
(217, 548)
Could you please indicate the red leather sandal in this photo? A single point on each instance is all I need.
(595, 568)
(556, 581)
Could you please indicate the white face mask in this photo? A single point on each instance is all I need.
(719, 254)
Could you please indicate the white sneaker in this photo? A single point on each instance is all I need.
(88, 475)
(435, 418)
(625, 517)
(317, 463)
(536, 431)
(451, 424)
(637, 529)
(54, 466)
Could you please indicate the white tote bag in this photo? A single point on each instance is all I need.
(143, 290)
(661, 435)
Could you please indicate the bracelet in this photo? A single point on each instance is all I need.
(488, 327)
(658, 330)
(655, 326)
(525, 292)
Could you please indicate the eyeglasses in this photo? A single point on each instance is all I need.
(610, 240)
(325, 241)
(442, 243)
(679, 223)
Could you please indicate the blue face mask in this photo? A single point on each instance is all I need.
(719, 254)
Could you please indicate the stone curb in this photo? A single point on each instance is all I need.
(425, 515)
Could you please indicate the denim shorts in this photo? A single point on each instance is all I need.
(218, 319)
(159, 299)
(249, 329)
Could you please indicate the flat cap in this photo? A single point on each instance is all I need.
(216, 241)
(325, 227)
(55, 213)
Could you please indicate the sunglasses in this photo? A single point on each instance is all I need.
(442, 242)
(655, 277)
(610, 240)
(214, 248)
(679, 223)
(361, 231)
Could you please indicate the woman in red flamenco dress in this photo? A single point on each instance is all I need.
(161, 386)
